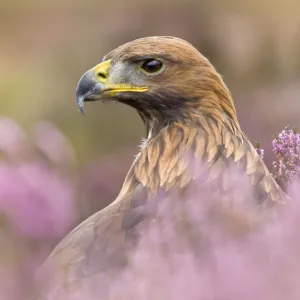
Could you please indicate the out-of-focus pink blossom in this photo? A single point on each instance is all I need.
(50, 140)
(38, 201)
(12, 137)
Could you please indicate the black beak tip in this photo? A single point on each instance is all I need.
(80, 103)
(81, 110)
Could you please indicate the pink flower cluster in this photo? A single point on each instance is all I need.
(286, 147)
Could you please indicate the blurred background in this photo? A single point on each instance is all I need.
(58, 167)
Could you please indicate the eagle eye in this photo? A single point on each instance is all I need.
(152, 66)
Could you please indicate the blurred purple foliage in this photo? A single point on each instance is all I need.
(43, 195)
(37, 201)
(211, 264)
(35, 196)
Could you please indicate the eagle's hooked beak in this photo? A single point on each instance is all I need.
(94, 85)
(87, 89)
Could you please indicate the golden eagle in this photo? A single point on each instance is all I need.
(188, 113)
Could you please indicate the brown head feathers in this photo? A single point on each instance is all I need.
(191, 119)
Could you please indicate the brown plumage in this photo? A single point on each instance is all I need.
(191, 121)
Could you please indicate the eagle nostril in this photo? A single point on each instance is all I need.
(101, 75)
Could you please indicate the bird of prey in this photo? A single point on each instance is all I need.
(187, 111)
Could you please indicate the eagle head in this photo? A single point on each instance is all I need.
(165, 79)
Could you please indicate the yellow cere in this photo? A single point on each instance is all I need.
(102, 74)
(102, 70)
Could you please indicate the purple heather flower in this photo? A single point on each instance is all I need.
(260, 150)
(286, 147)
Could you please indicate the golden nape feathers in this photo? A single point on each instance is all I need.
(194, 141)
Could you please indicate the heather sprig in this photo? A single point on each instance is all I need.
(286, 147)
(259, 150)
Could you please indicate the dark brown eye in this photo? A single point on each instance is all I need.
(152, 65)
